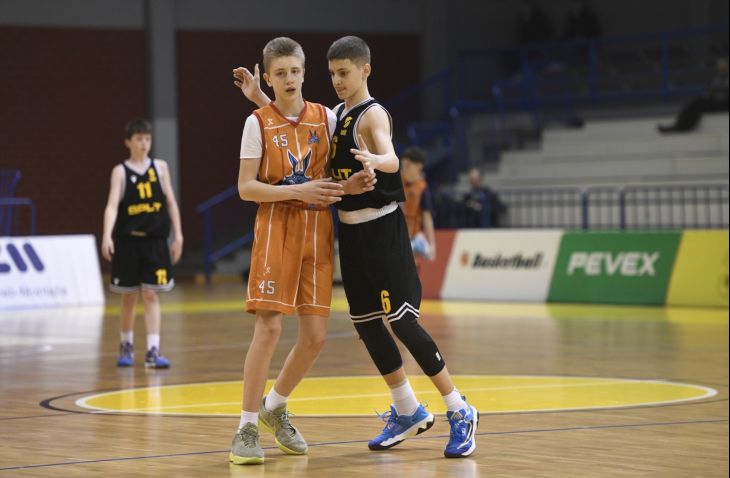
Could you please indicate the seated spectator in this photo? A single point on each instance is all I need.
(713, 99)
(483, 206)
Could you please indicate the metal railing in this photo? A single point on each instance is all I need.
(7, 221)
(688, 206)
(213, 251)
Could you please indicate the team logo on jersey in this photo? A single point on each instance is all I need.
(133, 178)
(153, 176)
(269, 122)
(313, 138)
(299, 169)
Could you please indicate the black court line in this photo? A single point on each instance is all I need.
(432, 437)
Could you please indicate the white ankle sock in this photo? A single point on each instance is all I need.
(153, 340)
(248, 417)
(404, 399)
(454, 402)
(127, 336)
(274, 400)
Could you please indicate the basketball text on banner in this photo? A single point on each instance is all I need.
(502, 265)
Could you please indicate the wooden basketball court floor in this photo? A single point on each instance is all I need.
(564, 391)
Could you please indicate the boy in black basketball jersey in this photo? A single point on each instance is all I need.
(137, 218)
(378, 270)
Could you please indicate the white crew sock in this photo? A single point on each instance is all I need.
(404, 399)
(126, 337)
(274, 400)
(454, 402)
(248, 417)
(153, 340)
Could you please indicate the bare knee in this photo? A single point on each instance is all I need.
(150, 296)
(268, 327)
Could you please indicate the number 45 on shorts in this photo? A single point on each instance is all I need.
(267, 287)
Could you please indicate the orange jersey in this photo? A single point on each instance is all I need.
(291, 258)
(412, 207)
(294, 152)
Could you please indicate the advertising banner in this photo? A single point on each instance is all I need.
(614, 267)
(46, 271)
(504, 265)
(700, 275)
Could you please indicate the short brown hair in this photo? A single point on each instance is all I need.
(281, 46)
(137, 126)
(350, 48)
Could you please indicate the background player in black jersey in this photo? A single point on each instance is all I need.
(137, 218)
(378, 270)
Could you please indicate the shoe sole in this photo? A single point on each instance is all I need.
(473, 443)
(151, 365)
(419, 428)
(281, 446)
(240, 460)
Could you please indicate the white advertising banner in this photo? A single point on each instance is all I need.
(47, 271)
(503, 265)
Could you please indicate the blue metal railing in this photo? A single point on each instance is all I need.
(6, 214)
(212, 254)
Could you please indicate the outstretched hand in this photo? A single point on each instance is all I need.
(369, 160)
(249, 84)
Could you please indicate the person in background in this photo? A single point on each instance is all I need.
(483, 206)
(139, 212)
(713, 99)
(418, 205)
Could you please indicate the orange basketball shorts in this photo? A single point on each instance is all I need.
(291, 261)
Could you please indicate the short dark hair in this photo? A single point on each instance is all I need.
(417, 155)
(137, 126)
(279, 47)
(350, 48)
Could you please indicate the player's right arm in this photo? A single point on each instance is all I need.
(316, 191)
(110, 211)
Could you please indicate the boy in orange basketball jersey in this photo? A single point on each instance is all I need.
(417, 206)
(284, 151)
(378, 271)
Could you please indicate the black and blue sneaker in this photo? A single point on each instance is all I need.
(462, 439)
(399, 427)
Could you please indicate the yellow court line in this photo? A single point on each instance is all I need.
(486, 309)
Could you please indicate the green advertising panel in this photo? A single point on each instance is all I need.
(614, 267)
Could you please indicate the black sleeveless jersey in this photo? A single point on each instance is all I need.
(389, 187)
(143, 209)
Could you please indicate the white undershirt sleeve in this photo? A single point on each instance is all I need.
(331, 122)
(251, 142)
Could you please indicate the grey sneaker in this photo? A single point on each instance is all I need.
(245, 449)
(287, 438)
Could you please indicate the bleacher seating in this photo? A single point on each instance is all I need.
(619, 152)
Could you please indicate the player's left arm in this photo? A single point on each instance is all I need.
(376, 146)
(177, 242)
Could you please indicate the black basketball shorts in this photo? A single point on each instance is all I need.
(141, 262)
(378, 271)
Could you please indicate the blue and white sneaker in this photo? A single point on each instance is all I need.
(126, 355)
(462, 439)
(153, 359)
(399, 427)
